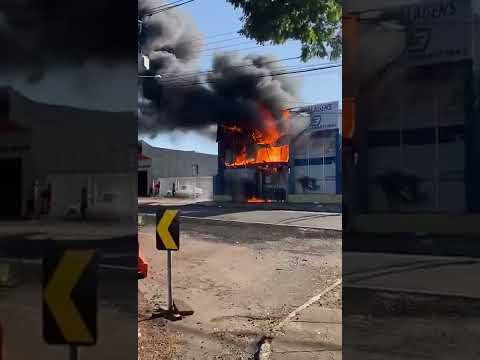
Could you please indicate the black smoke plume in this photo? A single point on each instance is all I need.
(174, 95)
(37, 34)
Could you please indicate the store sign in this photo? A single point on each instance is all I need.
(324, 116)
(438, 31)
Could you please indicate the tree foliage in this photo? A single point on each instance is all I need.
(315, 23)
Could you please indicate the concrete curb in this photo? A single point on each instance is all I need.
(383, 302)
(337, 208)
(25, 248)
(150, 219)
(412, 244)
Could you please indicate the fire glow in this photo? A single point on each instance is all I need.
(265, 142)
(257, 200)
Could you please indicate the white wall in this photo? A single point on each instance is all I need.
(310, 152)
(203, 182)
(109, 195)
(421, 104)
(71, 146)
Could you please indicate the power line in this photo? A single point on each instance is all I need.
(165, 7)
(266, 75)
(227, 46)
(197, 73)
(215, 49)
(238, 50)
(178, 79)
(199, 39)
(223, 40)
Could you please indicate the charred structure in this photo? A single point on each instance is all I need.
(254, 158)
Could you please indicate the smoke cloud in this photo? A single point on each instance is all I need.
(37, 34)
(176, 96)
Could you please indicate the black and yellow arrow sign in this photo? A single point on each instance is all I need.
(168, 229)
(70, 297)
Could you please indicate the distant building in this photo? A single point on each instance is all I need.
(60, 150)
(158, 163)
(315, 157)
(415, 74)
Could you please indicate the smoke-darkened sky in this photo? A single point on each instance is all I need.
(70, 52)
(39, 33)
(180, 99)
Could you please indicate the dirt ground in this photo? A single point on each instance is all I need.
(240, 280)
(154, 343)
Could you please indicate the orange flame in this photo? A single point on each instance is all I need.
(255, 199)
(266, 138)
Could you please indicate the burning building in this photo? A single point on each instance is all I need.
(294, 155)
(254, 158)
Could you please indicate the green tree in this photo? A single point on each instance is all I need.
(315, 23)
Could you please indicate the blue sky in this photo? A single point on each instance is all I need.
(219, 17)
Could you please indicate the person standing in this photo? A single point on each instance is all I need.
(83, 202)
(36, 199)
(173, 189)
(49, 198)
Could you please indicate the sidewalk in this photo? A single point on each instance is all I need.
(315, 334)
(419, 283)
(30, 238)
(413, 243)
(64, 230)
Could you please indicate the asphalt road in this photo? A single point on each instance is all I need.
(24, 244)
(253, 215)
(242, 281)
(22, 322)
(410, 307)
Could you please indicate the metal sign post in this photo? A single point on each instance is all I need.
(169, 281)
(168, 239)
(73, 352)
(1, 342)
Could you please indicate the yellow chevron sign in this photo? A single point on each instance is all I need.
(167, 231)
(70, 297)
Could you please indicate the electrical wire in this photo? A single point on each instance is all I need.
(197, 73)
(266, 75)
(165, 7)
(183, 78)
(211, 53)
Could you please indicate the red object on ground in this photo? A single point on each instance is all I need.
(1, 342)
(142, 268)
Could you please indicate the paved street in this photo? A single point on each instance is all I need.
(66, 230)
(410, 307)
(253, 215)
(244, 282)
(21, 316)
(22, 247)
